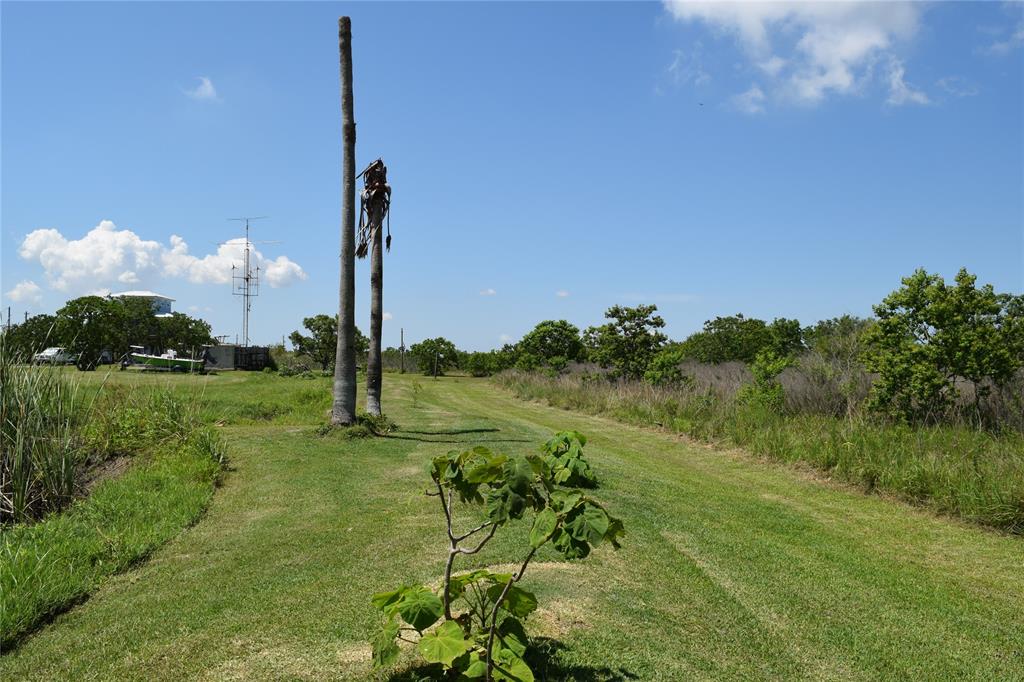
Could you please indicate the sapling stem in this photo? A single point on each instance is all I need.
(494, 613)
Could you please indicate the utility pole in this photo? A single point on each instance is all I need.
(401, 351)
(343, 409)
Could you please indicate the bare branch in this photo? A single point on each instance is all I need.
(475, 530)
(481, 545)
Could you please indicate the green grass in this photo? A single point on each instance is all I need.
(956, 470)
(732, 568)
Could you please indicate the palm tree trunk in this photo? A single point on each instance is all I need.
(343, 410)
(373, 360)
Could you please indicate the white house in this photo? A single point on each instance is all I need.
(161, 304)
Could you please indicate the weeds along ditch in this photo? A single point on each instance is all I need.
(70, 518)
(967, 472)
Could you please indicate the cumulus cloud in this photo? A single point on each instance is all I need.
(562, 293)
(108, 256)
(488, 292)
(25, 291)
(504, 338)
(900, 92)
(809, 50)
(203, 91)
(387, 316)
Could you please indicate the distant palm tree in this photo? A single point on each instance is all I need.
(343, 411)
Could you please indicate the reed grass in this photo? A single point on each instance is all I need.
(41, 410)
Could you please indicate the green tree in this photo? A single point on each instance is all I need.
(551, 340)
(629, 342)
(665, 368)
(322, 343)
(724, 339)
(785, 338)
(87, 326)
(184, 334)
(838, 338)
(31, 336)
(434, 356)
(929, 334)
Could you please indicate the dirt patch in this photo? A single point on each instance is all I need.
(557, 618)
(95, 474)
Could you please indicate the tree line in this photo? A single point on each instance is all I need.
(925, 340)
(94, 326)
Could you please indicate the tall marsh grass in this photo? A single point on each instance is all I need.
(41, 416)
(971, 473)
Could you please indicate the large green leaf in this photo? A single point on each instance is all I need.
(487, 470)
(588, 524)
(445, 644)
(564, 500)
(385, 649)
(420, 608)
(512, 636)
(543, 526)
(476, 667)
(388, 601)
(570, 547)
(508, 666)
(503, 504)
(518, 602)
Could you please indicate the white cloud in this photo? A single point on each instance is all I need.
(687, 68)
(25, 291)
(488, 292)
(957, 86)
(809, 49)
(203, 91)
(562, 293)
(900, 92)
(387, 316)
(108, 256)
(1011, 43)
(504, 338)
(750, 102)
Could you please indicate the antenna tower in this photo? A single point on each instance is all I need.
(246, 281)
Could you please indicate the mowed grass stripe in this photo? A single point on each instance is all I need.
(733, 568)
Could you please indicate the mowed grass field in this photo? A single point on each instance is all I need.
(732, 567)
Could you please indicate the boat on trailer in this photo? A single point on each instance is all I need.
(166, 362)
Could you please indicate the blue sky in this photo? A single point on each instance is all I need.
(547, 160)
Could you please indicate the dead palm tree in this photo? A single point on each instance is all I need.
(375, 204)
(343, 410)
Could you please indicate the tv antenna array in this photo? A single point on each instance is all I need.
(245, 280)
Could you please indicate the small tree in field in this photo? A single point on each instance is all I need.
(321, 345)
(552, 342)
(629, 342)
(929, 334)
(481, 633)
